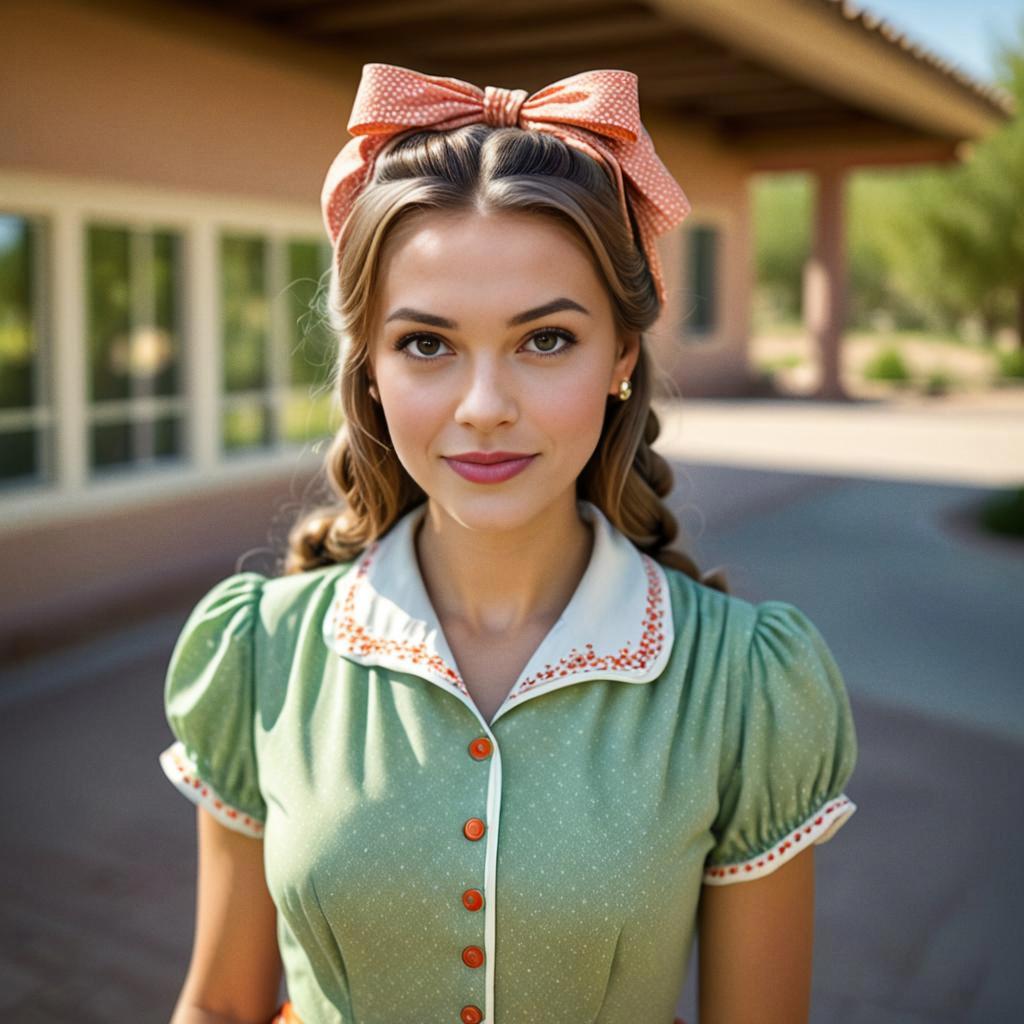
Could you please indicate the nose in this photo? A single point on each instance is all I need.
(488, 398)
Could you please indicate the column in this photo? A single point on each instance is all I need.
(825, 284)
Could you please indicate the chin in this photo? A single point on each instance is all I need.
(496, 509)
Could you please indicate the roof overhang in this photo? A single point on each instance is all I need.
(863, 64)
(787, 83)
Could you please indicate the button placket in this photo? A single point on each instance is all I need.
(480, 749)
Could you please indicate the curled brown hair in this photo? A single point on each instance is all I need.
(483, 168)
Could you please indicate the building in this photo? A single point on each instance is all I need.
(162, 381)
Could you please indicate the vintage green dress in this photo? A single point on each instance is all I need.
(429, 866)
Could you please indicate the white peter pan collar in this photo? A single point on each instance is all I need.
(617, 625)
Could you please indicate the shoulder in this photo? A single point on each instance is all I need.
(745, 619)
(248, 600)
(771, 643)
(288, 601)
(704, 614)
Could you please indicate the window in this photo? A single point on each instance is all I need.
(26, 419)
(146, 386)
(702, 287)
(277, 348)
(136, 403)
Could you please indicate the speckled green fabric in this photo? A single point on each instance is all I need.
(613, 792)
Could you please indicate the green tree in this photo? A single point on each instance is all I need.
(782, 226)
(959, 237)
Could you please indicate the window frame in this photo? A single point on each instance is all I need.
(67, 206)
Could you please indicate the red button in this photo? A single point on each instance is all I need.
(472, 956)
(471, 1015)
(474, 828)
(480, 748)
(472, 899)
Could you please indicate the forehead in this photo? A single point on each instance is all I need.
(500, 257)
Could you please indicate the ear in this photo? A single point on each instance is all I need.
(625, 364)
(371, 383)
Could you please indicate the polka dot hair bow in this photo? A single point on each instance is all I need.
(598, 112)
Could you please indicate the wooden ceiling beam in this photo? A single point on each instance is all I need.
(751, 130)
(416, 15)
(662, 84)
(778, 101)
(668, 86)
(409, 13)
(386, 10)
(850, 146)
(649, 61)
(446, 43)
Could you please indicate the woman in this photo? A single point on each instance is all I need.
(489, 750)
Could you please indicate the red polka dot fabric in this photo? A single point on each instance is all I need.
(598, 112)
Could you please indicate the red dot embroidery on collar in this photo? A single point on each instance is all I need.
(361, 641)
(652, 639)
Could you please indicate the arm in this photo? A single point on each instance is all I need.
(235, 971)
(755, 947)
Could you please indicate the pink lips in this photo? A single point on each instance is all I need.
(489, 467)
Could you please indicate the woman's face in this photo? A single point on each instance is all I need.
(494, 333)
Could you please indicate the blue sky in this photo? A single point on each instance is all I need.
(962, 31)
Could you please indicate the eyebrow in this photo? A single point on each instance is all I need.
(406, 313)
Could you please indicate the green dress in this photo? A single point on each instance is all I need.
(428, 865)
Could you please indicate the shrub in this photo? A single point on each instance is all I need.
(1004, 513)
(1011, 363)
(888, 364)
(938, 382)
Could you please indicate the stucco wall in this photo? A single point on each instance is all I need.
(92, 92)
(716, 183)
(68, 581)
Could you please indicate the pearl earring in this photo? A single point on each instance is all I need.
(625, 389)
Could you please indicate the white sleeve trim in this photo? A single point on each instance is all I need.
(820, 827)
(181, 770)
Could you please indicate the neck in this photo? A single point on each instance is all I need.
(494, 582)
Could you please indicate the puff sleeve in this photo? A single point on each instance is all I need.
(791, 747)
(209, 702)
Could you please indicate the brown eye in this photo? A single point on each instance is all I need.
(419, 346)
(547, 341)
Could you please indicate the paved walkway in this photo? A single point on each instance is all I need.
(964, 439)
(918, 918)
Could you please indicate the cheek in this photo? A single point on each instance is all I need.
(411, 414)
(573, 414)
